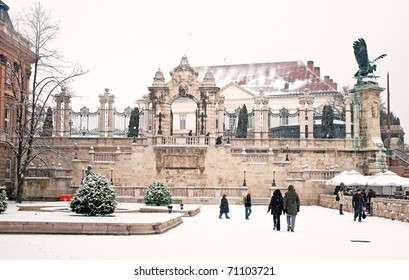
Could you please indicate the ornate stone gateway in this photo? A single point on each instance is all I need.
(184, 84)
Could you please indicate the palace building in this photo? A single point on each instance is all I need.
(285, 144)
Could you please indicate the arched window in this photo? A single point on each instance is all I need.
(9, 74)
(8, 170)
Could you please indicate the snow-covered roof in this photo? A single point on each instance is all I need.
(273, 77)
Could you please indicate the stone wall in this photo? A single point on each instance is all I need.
(395, 209)
(204, 170)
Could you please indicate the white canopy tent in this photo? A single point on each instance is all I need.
(349, 178)
(387, 182)
(388, 179)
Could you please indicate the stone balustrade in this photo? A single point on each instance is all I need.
(210, 195)
(395, 209)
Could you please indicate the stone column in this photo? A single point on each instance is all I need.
(111, 98)
(348, 123)
(210, 120)
(66, 117)
(257, 132)
(58, 115)
(265, 118)
(310, 102)
(310, 113)
(102, 101)
(146, 114)
(302, 117)
(221, 115)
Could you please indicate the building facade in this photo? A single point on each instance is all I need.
(16, 58)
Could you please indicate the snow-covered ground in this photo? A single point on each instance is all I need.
(321, 234)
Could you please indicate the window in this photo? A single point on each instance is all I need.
(7, 118)
(284, 117)
(182, 123)
(8, 170)
(9, 74)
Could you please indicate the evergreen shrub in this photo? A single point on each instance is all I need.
(3, 199)
(96, 196)
(158, 194)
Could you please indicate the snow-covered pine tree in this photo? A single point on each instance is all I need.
(158, 194)
(3, 199)
(96, 196)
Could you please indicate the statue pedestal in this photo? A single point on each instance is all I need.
(369, 113)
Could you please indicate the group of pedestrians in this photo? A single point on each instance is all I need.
(288, 205)
(361, 202)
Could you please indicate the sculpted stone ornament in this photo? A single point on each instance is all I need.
(183, 89)
(159, 79)
(366, 67)
(375, 109)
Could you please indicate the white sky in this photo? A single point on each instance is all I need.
(124, 42)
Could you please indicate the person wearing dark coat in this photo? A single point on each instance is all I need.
(276, 207)
(358, 203)
(371, 194)
(291, 207)
(247, 206)
(224, 207)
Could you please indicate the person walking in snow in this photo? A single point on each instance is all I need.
(291, 207)
(247, 206)
(341, 200)
(224, 207)
(276, 207)
(358, 203)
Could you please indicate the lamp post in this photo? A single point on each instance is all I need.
(134, 135)
(112, 172)
(228, 136)
(274, 178)
(160, 123)
(202, 116)
(244, 181)
(286, 154)
(388, 147)
(82, 178)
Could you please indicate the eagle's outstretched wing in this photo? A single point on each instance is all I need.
(361, 53)
(379, 57)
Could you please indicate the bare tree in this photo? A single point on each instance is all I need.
(337, 102)
(49, 74)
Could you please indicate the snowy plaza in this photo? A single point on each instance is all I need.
(320, 234)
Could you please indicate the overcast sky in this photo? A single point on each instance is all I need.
(124, 42)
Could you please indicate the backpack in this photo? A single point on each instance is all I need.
(244, 199)
(337, 197)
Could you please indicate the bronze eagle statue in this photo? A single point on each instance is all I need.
(366, 66)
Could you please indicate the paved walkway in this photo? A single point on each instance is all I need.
(320, 233)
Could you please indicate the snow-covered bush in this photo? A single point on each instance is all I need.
(158, 194)
(96, 196)
(3, 199)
